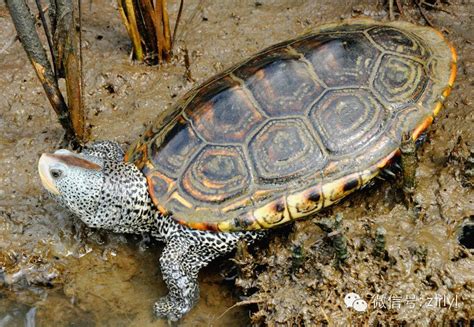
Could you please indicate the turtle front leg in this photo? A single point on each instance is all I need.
(184, 255)
(180, 263)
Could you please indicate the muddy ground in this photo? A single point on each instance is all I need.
(56, 271)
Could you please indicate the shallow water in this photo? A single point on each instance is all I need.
(56, 271)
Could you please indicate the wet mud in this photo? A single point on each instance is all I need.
(56, 271)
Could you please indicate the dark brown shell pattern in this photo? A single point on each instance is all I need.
(296, 127)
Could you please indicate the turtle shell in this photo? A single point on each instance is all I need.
(296, 127)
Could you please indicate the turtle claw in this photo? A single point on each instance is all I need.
(409, 161)
(409, 164)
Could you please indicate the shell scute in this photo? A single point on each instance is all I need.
(278, 53)
(159, 186)
(171, 153)
(274, 213)
(400, 80)
(347, 120)
(340, 61)
(283, 150)
(217, 174)
(398, 41)
(232, 111)
(284, 87)
(305, 202)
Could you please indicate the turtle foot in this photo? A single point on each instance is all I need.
(170, 308)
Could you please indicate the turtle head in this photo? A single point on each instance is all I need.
(76, 181)
(102, 191)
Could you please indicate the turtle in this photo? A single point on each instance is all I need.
(289, 131)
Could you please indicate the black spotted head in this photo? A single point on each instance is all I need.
(74, 180)
(103, 192)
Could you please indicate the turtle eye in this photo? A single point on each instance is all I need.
(56, 173)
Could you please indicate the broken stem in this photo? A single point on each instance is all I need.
(73, 71)
(178, 18)
(147, 23)
(130, 21)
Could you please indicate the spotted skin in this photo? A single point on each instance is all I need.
(105, 150)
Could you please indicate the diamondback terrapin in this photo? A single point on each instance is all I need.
(289, 131)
